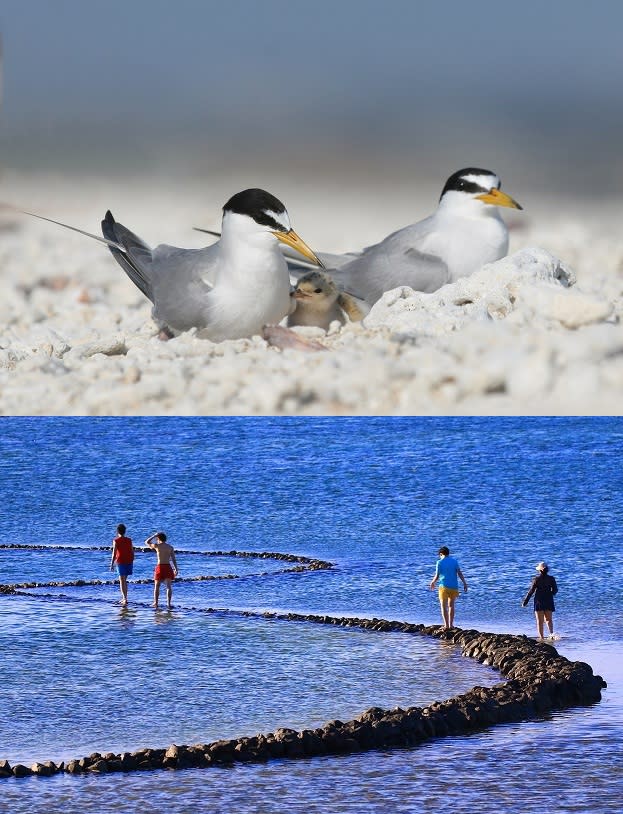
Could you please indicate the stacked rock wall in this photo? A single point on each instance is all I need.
(538, 680)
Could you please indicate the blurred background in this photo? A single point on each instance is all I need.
(390, 95)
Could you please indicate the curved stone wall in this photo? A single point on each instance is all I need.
(537, 681)
(301, 564)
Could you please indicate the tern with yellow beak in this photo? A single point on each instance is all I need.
(465, 232)
(228, 290)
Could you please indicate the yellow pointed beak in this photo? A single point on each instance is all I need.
(498, 198)
(292, 240)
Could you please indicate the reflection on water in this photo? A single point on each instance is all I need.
(127, 618)
(515, 767)
(164, 616)
(62, 565)
(240, 675)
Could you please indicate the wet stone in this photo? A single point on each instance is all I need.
(73, 767)
(100, 766)
(128, 761)
(114, 765)
(171, 756)
(41, 769)
(538, 680)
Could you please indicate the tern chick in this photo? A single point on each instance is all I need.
(319, 302)
(228, 290)
(465, 232)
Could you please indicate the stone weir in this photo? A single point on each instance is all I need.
(538, 680)
(300, 564)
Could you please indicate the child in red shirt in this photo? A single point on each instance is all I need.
(123, 559)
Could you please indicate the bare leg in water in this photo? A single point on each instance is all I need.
(123, 587)
(541, 617)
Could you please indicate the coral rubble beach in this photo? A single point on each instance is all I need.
(539, 332)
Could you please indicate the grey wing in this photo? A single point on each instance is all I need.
(370, 276)
(136, 260)
(182, 280)
(410, 236)
(395, 261)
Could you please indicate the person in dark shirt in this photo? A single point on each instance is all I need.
(123, 558)
(543, 589)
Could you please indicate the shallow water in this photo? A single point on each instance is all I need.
(142, 678)
(54, 564)
(376, 497)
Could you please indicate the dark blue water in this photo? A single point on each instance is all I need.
(375, 496)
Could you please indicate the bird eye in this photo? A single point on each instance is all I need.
(317, 290)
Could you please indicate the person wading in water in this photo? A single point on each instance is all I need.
(447, 573)
(544, 588)
(166, 570)
(123, 559)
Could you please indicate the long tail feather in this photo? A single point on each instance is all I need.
(112, 243)
(207, 231)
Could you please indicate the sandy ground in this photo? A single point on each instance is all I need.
(538, 333)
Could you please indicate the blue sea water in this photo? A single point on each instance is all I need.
(375, 496)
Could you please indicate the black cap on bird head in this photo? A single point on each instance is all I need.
(461, 182)
(481, 185)
(260, 205)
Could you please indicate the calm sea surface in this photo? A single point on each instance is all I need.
(377, 497)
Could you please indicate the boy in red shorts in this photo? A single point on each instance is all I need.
(166, 568)
(123, 558)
